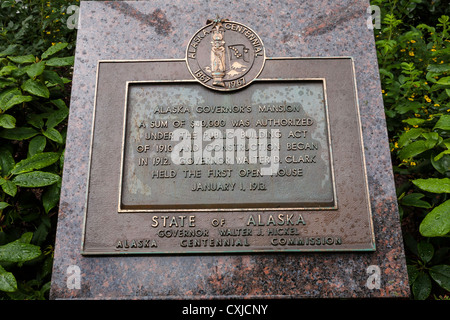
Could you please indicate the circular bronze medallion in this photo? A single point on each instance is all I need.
(225, 55)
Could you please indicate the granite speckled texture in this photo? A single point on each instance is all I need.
(116, 30)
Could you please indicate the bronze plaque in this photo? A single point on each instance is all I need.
(183, 165)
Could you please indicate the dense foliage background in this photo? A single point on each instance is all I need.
(413, 46)
(37, 42)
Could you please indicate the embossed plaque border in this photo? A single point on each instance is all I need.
(103, 224)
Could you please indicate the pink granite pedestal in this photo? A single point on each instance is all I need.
(120, 30)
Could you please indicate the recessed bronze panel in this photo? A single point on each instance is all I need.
(164, 179)
(230, 140)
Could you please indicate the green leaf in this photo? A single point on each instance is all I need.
(439, 157)
(9, 188)
(414, 148)
(17, 99)
(403, 108)
(60, 104)
(443, 19)
(386, 73)
(46, 286)
(388, 45)
(7, 121)
(38, 161)
(36, 69)
(20, 72)
(432, 138)
(18, 133)
(18, 251)
(53, 134)
(7, 281)
(23, 59)
(60, 62)
(425, 251)
(50, 198)
(7, 82)
(37, 145)
(390, 113)
(448, 92)
(12, 48)
(47, 268)
(53, 49)
(444, 81)
(61, 160)
(409, 135)
(36, 179)
(6, 95)
(6, 161)
(36, 87)
(3, 205)
(52, 77)
(439, 68)
(437, 222)
(414, 121)
(413, 200)
(434, 185)
(441, 162)
(421, 288)
(41, 232)
(7, 70)
(443, 123)
(441, 274)
(36, 120)
(56, 117)
(26, 237)
(413, 272)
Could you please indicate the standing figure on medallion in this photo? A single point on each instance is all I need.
(218, 55)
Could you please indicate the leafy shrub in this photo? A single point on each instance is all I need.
(31, 26)
(415, 76)
(33, 117)
(36, 59)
